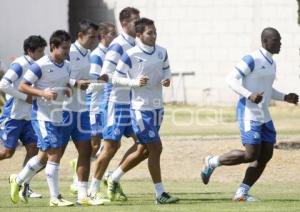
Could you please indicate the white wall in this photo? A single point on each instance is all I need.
(22, 18)
(210, 36)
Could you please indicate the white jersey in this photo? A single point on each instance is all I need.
(16, 107)
(257, 71)
(47, 74)
(80, 68)
(116, 49)
(148, 61)
(96, 89)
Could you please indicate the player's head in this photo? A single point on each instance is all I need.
(107, 32)
(270, 39)
(34, 46)
(146, 31)
(128, 16)
(60, 42)
(87, 34)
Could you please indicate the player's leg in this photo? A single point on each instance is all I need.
(81, 136)
(110, 147)
(251, 139)
(256, 168)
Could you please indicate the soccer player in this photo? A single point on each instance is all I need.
(47, 80)
(117, 121)
(95, 98)
(146, 69)
(16, 115)
(257, 72)
(76, 123)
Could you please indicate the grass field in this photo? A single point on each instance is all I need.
(184, 147)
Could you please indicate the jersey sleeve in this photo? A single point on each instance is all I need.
(33, 74)
(120, 76)
(13, 74)
(245, 66)
(166, 67)
(96, 66)
(112, 58)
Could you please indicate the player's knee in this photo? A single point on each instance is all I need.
(250, 157)
(7, 153)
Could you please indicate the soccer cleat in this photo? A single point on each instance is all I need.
(89, 202)
(60, 202)
(14, 189)
(73, 188)
(242, 197)
(26, 193)
(166, 198)
(120, 195)
(112, 188)
(99, 196)
(207, 170)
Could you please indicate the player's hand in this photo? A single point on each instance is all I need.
(82, 84)
(68, 91)
(143, 80)
(49, 94)
(103, 77)
(256, 97)
(29, 99)
(291, 98)
(165, 82)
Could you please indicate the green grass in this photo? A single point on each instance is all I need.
(194, 197)
(221, 121)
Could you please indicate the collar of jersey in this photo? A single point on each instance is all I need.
(83, 51)
(58, 65)
(267, 55)
(102, 48)
(145, 48)
(28, 59)
(129, 39)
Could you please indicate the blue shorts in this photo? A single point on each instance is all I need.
(48, 133)
(17, 129)
(96, 124)
(118, 122)
(77, 126)
(146, 124)
(257, 132)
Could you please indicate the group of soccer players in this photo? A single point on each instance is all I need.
(83, 96)
(95, 98)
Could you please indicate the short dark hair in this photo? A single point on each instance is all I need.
(58, 37)
(33, 42)
(104, 28)
(142, 23)
(85, 25)
(126, 13)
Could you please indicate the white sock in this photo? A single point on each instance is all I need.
(244, 189)
(117, 174)
(159, 189)
(51, 172)
(29, 170)
(214, 162)
(82, 190)
(95, 186)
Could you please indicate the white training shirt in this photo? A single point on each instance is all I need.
(257, 72)
(118, 46)
(47, 74)
(16, 107)
(80, 68)
(143, 60)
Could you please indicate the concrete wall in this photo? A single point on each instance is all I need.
(210, 36)
(19, 19)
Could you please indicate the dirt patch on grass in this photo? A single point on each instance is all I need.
(182, 159)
